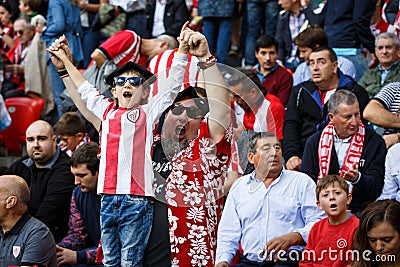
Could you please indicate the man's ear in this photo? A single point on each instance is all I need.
(319, 205)
(330, 116)
(80, 135)
(164, 45)
(113, 91)
(336, 65)
(250, 156)
(11, 201)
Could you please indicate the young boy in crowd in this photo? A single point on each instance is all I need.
(126, 172)
(29, 7)
(331, 238)
(71, 130)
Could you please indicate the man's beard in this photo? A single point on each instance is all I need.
(171, 146)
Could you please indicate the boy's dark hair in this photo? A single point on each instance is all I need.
(331, 54)
(313, 37)
(70, 124)
(86, 154)
(265, 41)
(33, 4)
(331, 180)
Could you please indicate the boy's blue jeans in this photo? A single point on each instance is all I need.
(125, 222)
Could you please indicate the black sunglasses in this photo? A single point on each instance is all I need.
(134, 81)
(191, 112)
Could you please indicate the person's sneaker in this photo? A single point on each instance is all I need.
(234, 51)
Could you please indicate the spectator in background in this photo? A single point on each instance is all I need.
(79, 246)
(14, 84)
(29, 7)
(391, 186)
(25, 241)
(71, 129)
(6, 27)
(290, 23)
(379, 234)
(309, 40)
(383, 110)
(348, 148)
(36, 74)
(46, 171)
(253, 110)
(217, 25)
(275, 78)
(165, 17)
(63, 17)
(387, 51)
(262, 18)
(90, 37)
(135, 12)
(347, 24)
(307, 110)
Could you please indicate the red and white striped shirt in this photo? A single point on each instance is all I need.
(127, 136)
(122, 47)
(161, 65)
(266, 117)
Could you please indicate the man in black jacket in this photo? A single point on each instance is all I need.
(347, 147)
(46, 170)
(307, 111)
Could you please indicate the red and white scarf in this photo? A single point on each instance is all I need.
(325, 146)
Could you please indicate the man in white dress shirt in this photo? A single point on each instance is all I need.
(270, 211)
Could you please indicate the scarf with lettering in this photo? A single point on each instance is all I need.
(325, 146)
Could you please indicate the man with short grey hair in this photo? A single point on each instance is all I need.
(387, 50)
(24, 240)
(348, 148)
(268, 228)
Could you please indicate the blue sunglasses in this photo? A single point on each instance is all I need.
(134, 81)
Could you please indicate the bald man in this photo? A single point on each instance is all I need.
(47, 172)
(24, 240)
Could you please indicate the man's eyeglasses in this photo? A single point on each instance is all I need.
(191, 112)
(134, 81)
(20, 32)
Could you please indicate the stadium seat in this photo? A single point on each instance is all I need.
(23, 111)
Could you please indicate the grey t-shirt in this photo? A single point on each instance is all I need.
(29, 242)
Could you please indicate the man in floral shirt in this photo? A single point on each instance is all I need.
(200, 152)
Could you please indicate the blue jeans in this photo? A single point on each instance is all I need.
(262, 18)
(125, 222)
(218, 34)
(136, 21)
(57, 87)
(91, 40)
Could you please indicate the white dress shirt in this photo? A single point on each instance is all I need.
(254, 214)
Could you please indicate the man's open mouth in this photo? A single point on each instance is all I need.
(333, 206)
(180, 131)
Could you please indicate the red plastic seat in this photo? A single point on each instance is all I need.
(23, 111)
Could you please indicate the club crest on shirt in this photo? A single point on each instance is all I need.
(16, 251)
(133, 115)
